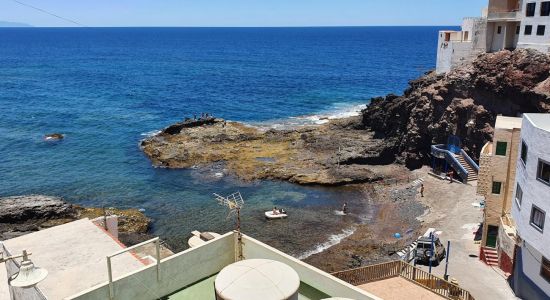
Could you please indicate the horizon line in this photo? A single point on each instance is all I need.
(282, 26)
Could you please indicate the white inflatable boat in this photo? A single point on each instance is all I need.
(270, 215)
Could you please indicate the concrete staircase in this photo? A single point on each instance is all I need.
(490, 256)
(472, 173)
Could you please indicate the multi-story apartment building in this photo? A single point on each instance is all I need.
(505, 24)
(497, 174)
(531, 209)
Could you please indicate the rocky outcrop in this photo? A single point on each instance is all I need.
(464, 102)
(336, 153)
(54, 137)
(34, 207)
(20, 215)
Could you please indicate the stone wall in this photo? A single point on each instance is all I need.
(484, 175)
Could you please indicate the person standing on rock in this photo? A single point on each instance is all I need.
(421, 190)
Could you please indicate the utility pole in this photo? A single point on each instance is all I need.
(446, 276)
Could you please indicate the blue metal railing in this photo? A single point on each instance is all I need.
(440, 151)
(470, 161)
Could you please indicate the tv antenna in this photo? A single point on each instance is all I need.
(234, 202)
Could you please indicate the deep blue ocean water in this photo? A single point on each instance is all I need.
(106, 88)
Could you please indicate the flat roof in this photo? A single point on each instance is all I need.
(74, 254)
(508, 122)
(541, 121)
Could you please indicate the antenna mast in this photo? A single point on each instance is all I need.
(234, 202)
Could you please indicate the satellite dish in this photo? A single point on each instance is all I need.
(28, 275)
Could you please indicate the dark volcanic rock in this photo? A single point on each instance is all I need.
(20, 215)
(189, 123)
(464, 102)
(54, 136)
(34, 207)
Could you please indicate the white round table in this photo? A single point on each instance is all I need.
(257, 279)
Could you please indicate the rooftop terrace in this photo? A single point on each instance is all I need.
(190, 274)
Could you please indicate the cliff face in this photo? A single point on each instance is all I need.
(464, 102)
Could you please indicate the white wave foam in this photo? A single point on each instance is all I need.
(151, 133)
(333, 240)
(338, 111)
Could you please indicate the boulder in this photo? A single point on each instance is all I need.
(34, 207)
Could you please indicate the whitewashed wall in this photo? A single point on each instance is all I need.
(541, 43)
(534, 193)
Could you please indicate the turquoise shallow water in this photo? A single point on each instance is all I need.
(107, 88)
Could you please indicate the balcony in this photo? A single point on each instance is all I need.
(503, 16)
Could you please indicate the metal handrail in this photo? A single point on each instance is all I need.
(469, 160)
(109, 265)
(439, 151)
(437, 285)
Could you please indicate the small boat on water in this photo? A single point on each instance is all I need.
(273, 216)
(200, 238)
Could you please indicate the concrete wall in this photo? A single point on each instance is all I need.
(112, 224)
(193, 265)
(314, 277)
(541, 43)
(177, 272)
(531, 259)
(534, 192)
(497, 39)
(444, 54)
(507, 243)
(503, 5)
(463, 46)
(536, 243)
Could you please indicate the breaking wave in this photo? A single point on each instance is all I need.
(333, 240)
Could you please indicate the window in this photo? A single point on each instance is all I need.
(545, 9)
(499, 29)
(537, 218)
(519, 195)
(518, 28)
(528, 29)
(524, 152)
(543, 172)
(541, 29)
(501, 148)
(530, 12)
(545, 269)
(496, 187)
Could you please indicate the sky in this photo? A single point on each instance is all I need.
(240, 13)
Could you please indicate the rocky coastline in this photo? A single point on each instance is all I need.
(20, 215)
(464, 102)
(392, 129)
(332, 154)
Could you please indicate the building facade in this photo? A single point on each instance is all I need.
(531, 209)
(496, 184)
(459, 47)
(505, 24)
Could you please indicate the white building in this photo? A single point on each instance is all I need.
(505, 24)
(531, 209)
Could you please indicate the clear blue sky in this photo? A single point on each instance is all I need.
(242, 12)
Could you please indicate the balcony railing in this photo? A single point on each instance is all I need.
(407, 271)
(503, 15)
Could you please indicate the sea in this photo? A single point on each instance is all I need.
(106, 89)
